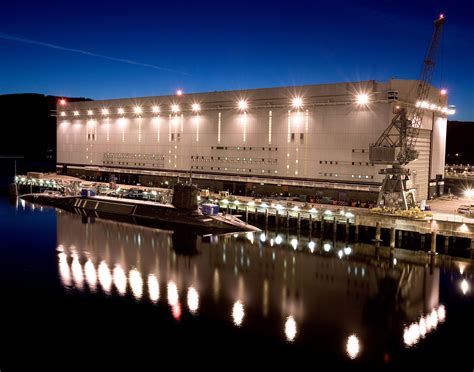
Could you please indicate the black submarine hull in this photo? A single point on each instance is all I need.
(148, 214)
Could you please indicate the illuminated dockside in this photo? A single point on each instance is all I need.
(313, 137)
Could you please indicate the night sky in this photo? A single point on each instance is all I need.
(207, 46)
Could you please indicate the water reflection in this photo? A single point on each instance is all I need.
(193, 300)
(290, 328)
(464, 286)
(153, 288)
(302, 289)
(238, 313)
(353, 346)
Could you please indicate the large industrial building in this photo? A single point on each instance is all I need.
(311, 139)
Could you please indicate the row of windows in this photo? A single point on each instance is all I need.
(238, 148)
(293, 136)
(234, 169)
(91, 136)
(175, 136)
(361, 176)
(234, 160)
(135, 164)
(124, 155)
(345, 162)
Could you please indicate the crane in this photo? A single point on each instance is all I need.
(396, 145)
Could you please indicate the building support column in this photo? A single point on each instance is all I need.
(433, 242)
(378, 231)
(422, 241)
(392, 237)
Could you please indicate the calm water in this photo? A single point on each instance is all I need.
(94, 289)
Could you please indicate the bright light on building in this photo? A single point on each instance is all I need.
(294, 243)
(464, 286)
(62, 102)
(196, 107)
(243, 105)
(179, 92)
(443, 92)
(469, 193)
(76, 113)
(137, 110)
(297, 102)
(90, 112)
(155, 109)
(105, 111)
(121, 111)
(63, 113)
(175, 108)
(362, 99)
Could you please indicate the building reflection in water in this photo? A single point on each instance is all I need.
(294, 285)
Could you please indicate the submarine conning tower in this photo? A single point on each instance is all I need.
(185, 196)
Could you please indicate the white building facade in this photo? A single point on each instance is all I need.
(309, 137)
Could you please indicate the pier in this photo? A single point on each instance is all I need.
(436, 234)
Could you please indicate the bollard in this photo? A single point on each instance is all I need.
(299, 220)
(246, 214)
(334, 225)
(287, 219)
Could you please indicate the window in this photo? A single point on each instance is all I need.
(302, 137)
(292, 137)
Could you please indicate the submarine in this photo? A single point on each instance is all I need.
(183, 212)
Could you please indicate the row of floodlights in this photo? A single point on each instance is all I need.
(24, 180)
(242, 105)
(434, 107)
(281, 207)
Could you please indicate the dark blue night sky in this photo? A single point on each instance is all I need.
(229, 45)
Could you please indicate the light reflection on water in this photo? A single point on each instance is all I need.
(255, 279)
